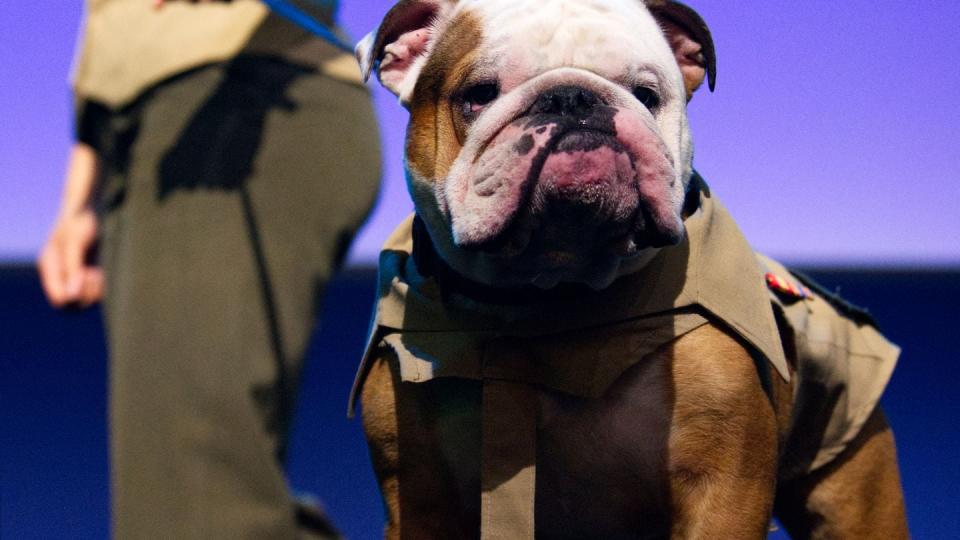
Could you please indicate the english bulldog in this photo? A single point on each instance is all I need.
(572, 339)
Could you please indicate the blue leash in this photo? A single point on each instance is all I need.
(302, 19)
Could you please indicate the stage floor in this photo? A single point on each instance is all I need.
(53, 413)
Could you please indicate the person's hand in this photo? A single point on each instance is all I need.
(67, 276)
(66, 273)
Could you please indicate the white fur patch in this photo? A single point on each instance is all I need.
(610, 38)
(612, 46)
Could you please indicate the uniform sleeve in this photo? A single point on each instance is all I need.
(90, 122)
(843, 366)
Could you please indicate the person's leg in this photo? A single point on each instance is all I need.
(214, 259)
(317, 174)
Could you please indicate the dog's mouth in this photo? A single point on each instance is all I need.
(580, 178)
(579, 188)
(563, 192)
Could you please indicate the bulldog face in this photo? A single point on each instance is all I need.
(548, 139)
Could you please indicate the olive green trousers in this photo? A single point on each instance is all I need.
(229, 198)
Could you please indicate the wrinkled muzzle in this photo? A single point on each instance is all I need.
(570, 182)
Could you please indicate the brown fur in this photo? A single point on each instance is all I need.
(723, 442)
(434, 138)
(857, 496)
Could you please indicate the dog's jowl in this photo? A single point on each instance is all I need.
(572, 337)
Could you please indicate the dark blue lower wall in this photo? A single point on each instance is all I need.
(53, 415)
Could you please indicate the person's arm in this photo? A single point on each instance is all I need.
(67, 276)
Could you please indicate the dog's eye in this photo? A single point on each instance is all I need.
(648, 97)
(477, 97)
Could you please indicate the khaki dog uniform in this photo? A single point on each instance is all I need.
(582, 344)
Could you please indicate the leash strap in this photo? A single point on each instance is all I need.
(302, 19)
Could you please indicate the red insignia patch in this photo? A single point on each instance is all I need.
(786, 288)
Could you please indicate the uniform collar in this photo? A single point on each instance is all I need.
(713, 268)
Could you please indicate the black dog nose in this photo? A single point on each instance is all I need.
(566, 100)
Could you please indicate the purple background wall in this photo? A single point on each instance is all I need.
(832, 135)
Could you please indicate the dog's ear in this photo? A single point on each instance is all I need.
(402, 39)
(690, 38)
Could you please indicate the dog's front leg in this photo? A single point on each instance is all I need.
(723, 442)
(424, 443)
(856, 496)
